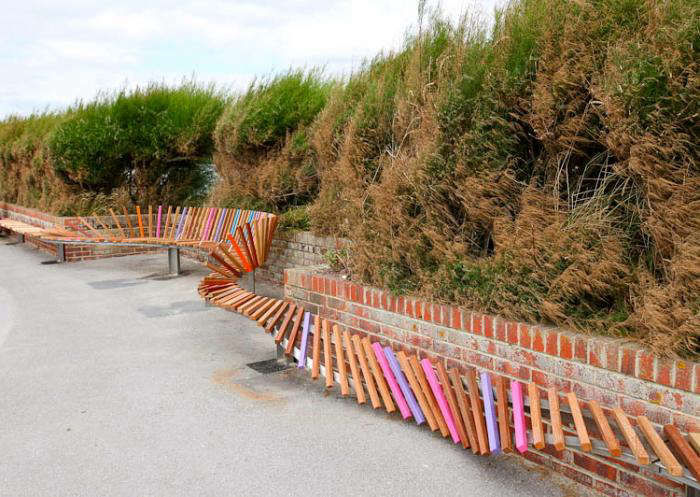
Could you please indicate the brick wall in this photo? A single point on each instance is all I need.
(610, 371)
(299, 249)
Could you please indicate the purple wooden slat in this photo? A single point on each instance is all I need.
(490, 413)
(160, 215)
(304, 341)
(210, 219)
(183, 216)
(393, 385)
(405, 388)
(217, 235)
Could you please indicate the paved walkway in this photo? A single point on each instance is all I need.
(115, 381)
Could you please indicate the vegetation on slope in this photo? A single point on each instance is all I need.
(150, 145)
(545, 170)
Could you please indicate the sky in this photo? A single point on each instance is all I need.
(55, 53)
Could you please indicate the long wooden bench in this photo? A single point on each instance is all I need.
(479, 410)
(20, 228)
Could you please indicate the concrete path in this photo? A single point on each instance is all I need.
(116, 381)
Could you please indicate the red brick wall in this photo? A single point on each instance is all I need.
(610, 371)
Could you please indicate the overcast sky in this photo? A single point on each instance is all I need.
(53, 53)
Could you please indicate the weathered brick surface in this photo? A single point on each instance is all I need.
(612, 372)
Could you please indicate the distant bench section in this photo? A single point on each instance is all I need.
(20, 228)
(166, 227)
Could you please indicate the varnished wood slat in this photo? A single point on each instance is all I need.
(270, 312)
(340, 358)
(694, 440)
(579, 423)
(683, 450)
(128, 221)
(429, 396)
(255, 315)
(417, 391)
(248, 309)
(150, 221)
(107, 231)
(503, 414)
(237, 304)
(225, 264)
(477, 412)
(255, 300)
(463, 403)
(633, 441)
(283, 328)
(354, 370)
(378, 377)
(116, 221)
(140, 221)
(168, 219)
(606, 432)
(316, 349)
(452, 403)
(667, 458)
(555, 418)
(251, 246)
(295, 331)
(327, 358)
(219, 270)
(273, 321)
(533, 394)
(366, 372)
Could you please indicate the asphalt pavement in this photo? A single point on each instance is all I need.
(116, 380)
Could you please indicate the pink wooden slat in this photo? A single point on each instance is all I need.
(440, 397)
(516, 389)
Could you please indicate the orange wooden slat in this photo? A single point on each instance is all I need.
(535, 416)
(477, 412)
(340, 358)
(354, 370)
(429, 396)
(378, 376)
(684, 451)
(667, 458)
(555, 418)
(366, 372)
(604, 427)
(579, 423)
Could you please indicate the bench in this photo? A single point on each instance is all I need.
(20, 228)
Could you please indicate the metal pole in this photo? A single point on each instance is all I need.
(174, 261)
(60, 252)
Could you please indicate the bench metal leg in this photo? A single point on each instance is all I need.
(174, 261)
(60, 252)
(20, 238)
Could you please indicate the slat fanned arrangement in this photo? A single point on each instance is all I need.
(201, 227)
(475, 409)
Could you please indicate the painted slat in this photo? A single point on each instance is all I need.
(403, 384)
(393, 384)
(304, 340)
(518, 416)
(440, 397)
(490, 413)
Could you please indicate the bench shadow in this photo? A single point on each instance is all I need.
(112, 284)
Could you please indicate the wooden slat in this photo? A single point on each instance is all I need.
(316, 349)
(327, 358)
(116, 221)
(518, 416)
(440, 397)
(263, 309)
(140, 221)
(555, 419)
(128, 221)
(283, 328)
(271, 323)
(633, 441)
(667, 458)
(429, 396)
(477, 412)
(295, 332)
(394, 388)
(356, 380)
(503, 415)
(452, 402)
(683, 450)
(490, 412)
(378, 377)
(340, 358)
(533, 394)
(604, 427)
(579, 423)
(366, 372)
(694, 440)
(465, 412)
(252, 305)
(236, 305)
(251, 246)
(417, 390)
(467, 417)
(150, 221)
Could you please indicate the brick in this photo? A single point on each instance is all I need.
(437, 313)
(427, 314)
(466, 321)
(409, 308)
(525, 339)
(683, 375)
(596, 354)
(612, 356)
(501, 330)
(628, 361)
(477, 328)
(537, 340)
(645, 366)
(512, 333)
(641, 486)
(581, 349)
(456, 321)
(488, 326)
(595, 466)
(565, 347)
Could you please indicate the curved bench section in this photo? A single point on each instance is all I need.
(482, 412)
(194, 227)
